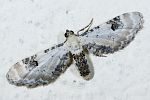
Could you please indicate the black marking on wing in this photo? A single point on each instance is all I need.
(114, 35)
(34, 71)
(26, 60)
(59, 45)
(33, 63)
(59, 69)
(115, 23)
(30, 61)
(82, 64)
(45, 51)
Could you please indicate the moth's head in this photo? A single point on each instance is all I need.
(68, 33)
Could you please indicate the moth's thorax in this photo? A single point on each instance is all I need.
(73, 44)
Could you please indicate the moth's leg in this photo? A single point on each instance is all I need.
(86, 28)
(84, 65)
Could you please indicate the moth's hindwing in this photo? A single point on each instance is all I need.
(41, 69)
(84, 65)
(113, 35)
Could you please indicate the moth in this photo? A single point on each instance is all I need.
(45, 67)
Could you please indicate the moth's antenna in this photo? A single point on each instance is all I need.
(86, 27)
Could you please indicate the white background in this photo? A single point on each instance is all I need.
(29, 26)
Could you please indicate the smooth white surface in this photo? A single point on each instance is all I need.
(29, 26)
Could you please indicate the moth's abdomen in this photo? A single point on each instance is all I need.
(84, 65)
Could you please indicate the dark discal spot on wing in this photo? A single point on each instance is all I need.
(114, 26)
(33, 63)
(115, 23)
(81, 63)
(30, 61)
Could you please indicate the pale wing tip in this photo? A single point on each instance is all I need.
(139, 15)
(11, 77)
(16, 73)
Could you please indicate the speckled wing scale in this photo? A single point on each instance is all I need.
(84, 65)
(40, 69)
(113, 35)
(45, 67)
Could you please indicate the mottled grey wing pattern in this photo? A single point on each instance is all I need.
(84, 65)
(113, 35)
(40, 69)
(45, 67)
